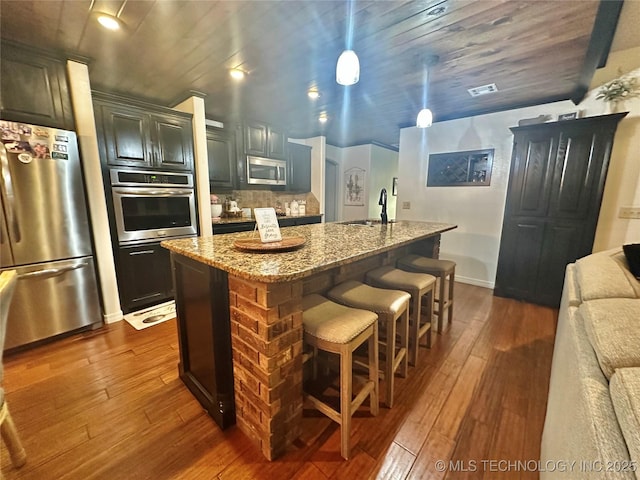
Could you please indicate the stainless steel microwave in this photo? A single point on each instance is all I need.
(266, 171)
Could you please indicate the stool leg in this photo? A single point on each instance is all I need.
(416, 300)
(314, 364)
(12, 440)
(374, 398)
(346, 368)
(429, 297)
(441, 303)
(390, 361)
(404, 342)
(452, 277)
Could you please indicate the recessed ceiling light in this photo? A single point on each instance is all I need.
(236, 73)
(313, 93)
(109, 21)
(323, 117)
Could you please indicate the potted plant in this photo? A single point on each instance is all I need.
(618, 90)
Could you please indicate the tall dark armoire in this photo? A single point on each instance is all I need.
(555, 189)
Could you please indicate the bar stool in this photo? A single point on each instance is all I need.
(441, 269)
(418, 285)
(391, 306)
(338, 329)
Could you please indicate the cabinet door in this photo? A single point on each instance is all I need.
(144, 276)
(174, 143)
(531, 173)
(308, 220)
(34, 89)
(520, 250)
(219, 228)
(222, 159)
(255, 139)
(299, 168)
(276, 144)
(126, 136)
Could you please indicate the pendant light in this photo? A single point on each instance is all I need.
(348, 68)
(425, 118)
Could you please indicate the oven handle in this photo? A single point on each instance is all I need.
(145, 192)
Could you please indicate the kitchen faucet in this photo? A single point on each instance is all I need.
(383, 202)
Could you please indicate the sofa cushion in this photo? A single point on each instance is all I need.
(625, 396)
(613, 328)
(606, 275)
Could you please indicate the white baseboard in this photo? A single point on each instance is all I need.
(113, 317)
(476, 282)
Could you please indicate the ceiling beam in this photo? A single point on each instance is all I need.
(604, 28)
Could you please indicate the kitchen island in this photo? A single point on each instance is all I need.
(240, 317)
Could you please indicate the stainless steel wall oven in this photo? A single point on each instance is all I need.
(151, 206)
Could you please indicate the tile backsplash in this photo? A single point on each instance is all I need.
(267, 198)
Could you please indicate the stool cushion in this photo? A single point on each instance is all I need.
(395, 278)
(425, 264)
(333, 322)
(380, 300)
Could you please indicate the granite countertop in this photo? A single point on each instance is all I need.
(327, 245)
(226, 220)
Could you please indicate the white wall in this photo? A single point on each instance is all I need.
(355, 157)
(384, 166)
(335, 153)
(318, 153)
(478, 211)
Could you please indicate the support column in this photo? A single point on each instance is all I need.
(266, 338)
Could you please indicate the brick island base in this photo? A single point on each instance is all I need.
(256, 377)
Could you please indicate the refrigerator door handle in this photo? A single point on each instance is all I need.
(12, 218)
(52, 272)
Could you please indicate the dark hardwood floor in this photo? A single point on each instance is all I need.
(109, 405)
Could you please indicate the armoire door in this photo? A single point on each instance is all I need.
(553, 200)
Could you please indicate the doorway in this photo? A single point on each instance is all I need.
(330, 191)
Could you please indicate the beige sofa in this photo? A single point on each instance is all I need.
(592, 425)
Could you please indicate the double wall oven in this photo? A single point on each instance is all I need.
(151, 205)
(148, 207)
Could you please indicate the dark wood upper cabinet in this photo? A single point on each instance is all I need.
(299, 168)
(276, 143)
(34, 88)
(126, 135)
(221, 154)
(255, 139)
(556, 182)
(139, 135)
(173, 142)
(264, 140)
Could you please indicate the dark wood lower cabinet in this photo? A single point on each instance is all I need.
(250, 225)
(557, 177)
(202, 302)
(144, 276)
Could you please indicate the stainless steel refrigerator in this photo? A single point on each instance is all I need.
(44, 234)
